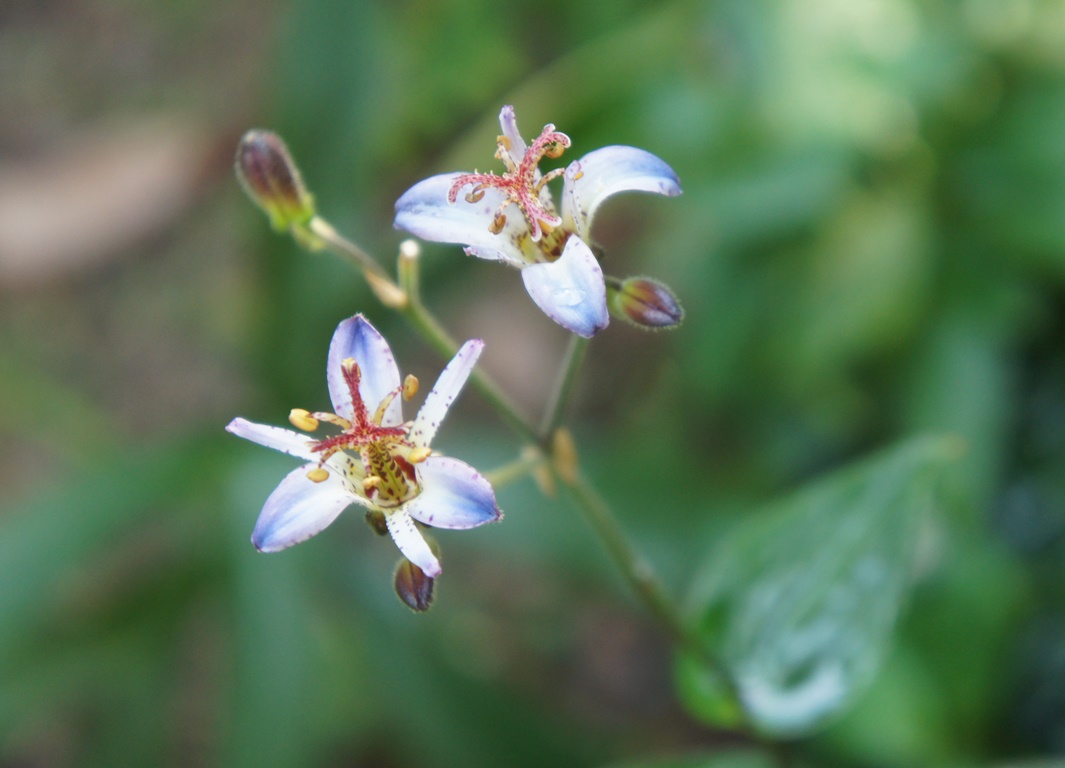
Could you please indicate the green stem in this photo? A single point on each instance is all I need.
(341, 246)
(515, 470)
(423, 321)
(564, 387)
(645, 583)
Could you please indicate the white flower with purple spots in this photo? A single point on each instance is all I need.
(375, 460)
(549, 247)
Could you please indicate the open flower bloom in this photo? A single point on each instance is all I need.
(512, 218)
(376, 460)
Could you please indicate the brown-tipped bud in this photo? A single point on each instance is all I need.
(272, 180)
(413, 586)
(376, 520)
(643, 302)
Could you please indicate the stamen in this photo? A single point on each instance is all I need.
(519, 185)
(369, 483)
(410, 387)
(302, 419)
(418, 455)
(318, 475)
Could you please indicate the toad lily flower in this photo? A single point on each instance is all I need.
(376, 460)
(512, 218)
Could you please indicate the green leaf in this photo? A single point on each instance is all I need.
(800, 601)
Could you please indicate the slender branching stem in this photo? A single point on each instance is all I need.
(517, 469)
(405, 297)
(565, 383)
(641, 577)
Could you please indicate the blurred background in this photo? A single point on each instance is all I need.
(870, 245)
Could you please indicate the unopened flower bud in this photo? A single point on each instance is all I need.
(272, 180)
(413, 586)
(376, 520)
(643, 302)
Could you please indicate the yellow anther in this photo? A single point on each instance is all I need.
(418, 455)
(547, 228)
(475, 195)
(554, 149)
(318, 475)
(497, 224)
(302, 419)
(578, 175)
(348, 363)
(410, 386)
(505, 142)
(370, 482)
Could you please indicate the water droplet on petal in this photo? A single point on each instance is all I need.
(568, 297)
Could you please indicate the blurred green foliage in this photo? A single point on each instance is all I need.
(870, 246)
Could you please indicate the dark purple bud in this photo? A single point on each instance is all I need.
(643, 302)
(376, 520)
(272, 180)
(413, 586)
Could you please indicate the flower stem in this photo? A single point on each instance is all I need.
(515, 470)
(641, 577)
(425, 323)
(383, 286)
(405, 297)
(564, 387)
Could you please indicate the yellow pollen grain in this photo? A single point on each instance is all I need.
(418, 455)
(318, 475)
(410, 386)
(370, 482)
(302, 419)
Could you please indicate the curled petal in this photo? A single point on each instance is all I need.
(453, 495)
(571, 290)
(444, 392)
(298, 509)
(410, 542)
(509, 124)
(284, 440)
(607, 171)
(356, 338)
(424, 210)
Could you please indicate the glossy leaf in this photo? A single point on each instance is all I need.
(801, 601)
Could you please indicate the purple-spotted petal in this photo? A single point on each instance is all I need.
(424, 210)
(606, 172)
(570, 290)
(410, 542)
(284, 440)
(509, 124)
(298, 509)
(444, 392)
(356, 338)
(453, 495)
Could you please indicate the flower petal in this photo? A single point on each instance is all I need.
(608, 171)
(423, 210)
(410, 542)
(444, 392)
(298, 509)
(284, 440)
(571, 290)
(356, 338)
(453, 495)
(509, 124)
